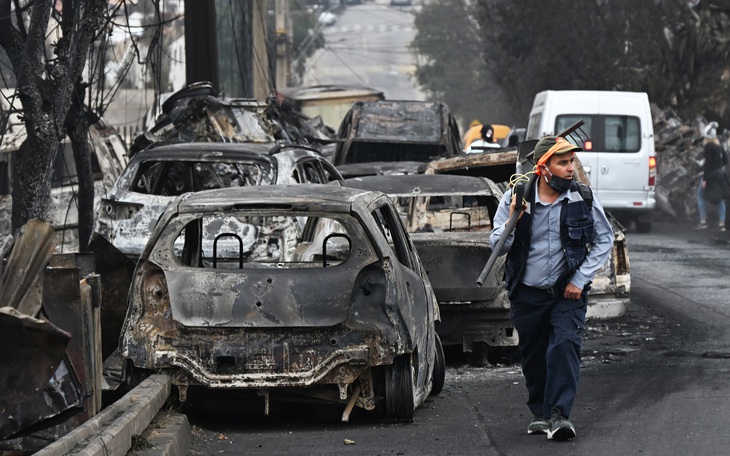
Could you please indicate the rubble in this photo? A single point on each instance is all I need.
(49, 339)
(679, 148)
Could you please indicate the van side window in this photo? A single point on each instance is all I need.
(622, 134)
(608, 133)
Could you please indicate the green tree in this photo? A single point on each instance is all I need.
(488, 58)
(674, 53)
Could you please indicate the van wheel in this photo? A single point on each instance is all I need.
(643, 227)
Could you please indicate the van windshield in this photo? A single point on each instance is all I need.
(610, 133)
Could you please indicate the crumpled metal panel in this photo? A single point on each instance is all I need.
(116, 272)
(402, 121)
(36, 345)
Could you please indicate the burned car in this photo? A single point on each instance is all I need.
(155, 176)
(377, 132)
(311, 290)
(449, 219)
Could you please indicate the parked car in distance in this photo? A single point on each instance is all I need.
(395, 131)
(449, 219)
(155, 176)
(284, 291)
(327, 18)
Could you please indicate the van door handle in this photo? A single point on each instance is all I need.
(604, 169)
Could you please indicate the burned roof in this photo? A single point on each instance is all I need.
(297, 196)
(400, 121)
(195, 150)
(424, 184)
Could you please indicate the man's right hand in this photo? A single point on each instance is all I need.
(513, 205)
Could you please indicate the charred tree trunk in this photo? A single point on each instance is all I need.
(77, 127)
(45, 88)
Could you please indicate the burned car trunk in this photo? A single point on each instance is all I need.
(449, 219)
(285, 290)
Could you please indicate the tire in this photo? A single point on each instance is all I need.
(439, 368)
(399, 390)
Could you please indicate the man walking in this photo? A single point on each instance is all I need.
(561, 240)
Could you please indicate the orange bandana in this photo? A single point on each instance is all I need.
(561, 144)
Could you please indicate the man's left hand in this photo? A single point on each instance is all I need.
(572, 292)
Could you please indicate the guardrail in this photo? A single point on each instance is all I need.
(110, 432)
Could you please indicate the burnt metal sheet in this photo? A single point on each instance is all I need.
(424, 185)
(53, 411)
(69, 391)
(31, 351)
(19, 287)
(401, 121)
(496, 166)
(116, 272)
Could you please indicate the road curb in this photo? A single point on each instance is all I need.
(169, 434)
(110, 432)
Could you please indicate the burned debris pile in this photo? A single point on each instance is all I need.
(199, 113)
(679, 146)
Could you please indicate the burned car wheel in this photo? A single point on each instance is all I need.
(399, 390)
(439, 368)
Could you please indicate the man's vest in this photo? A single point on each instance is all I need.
(576, 233)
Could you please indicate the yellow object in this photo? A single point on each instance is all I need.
(474, 133)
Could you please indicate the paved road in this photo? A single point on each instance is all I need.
(654, 382)
(368, 46)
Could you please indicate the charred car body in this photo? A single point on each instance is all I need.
(311, 290)
(449, 219)
(198, 113)
(155, 176)
(374, 132)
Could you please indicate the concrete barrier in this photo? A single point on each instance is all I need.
(110, 432)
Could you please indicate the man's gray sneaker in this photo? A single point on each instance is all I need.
(538, 425)
(559, 428)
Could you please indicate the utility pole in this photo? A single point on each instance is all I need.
(201, 48)
(283, 43)
(261, 70)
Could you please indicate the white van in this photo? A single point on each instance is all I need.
(619, 154)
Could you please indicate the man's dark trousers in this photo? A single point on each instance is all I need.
(549, 329)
